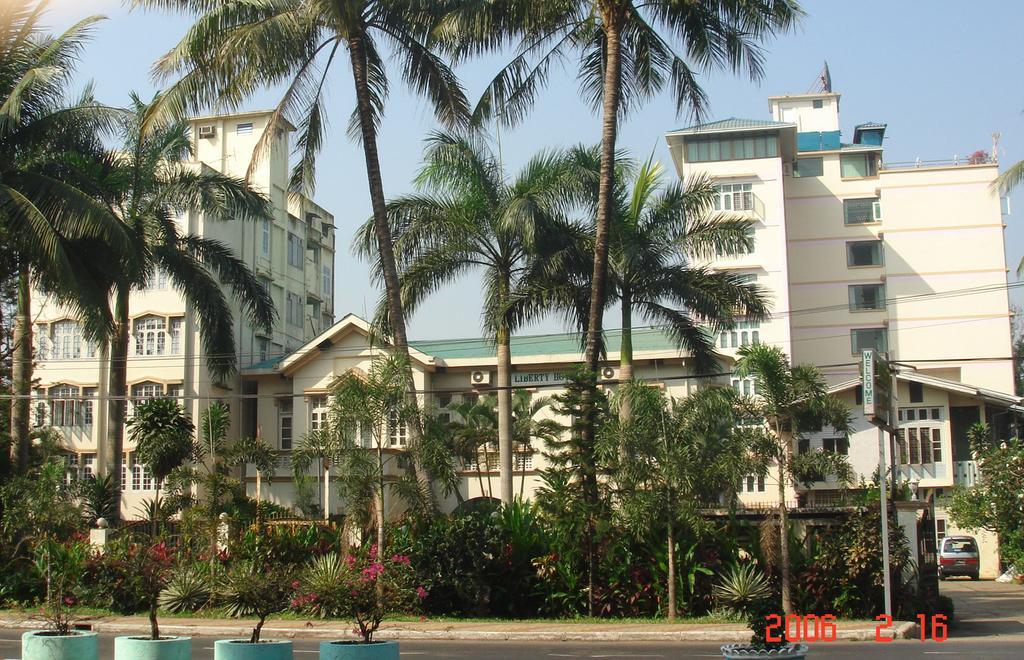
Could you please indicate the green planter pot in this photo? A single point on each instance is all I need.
(144, 648)
(42, 645)
(358, 651)
(241, 649)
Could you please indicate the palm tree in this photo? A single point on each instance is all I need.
(475, 429)
(526, 427)
(237, 47)
(469, 217)
(791, 400)
(164, 438)
(626, 57)
(49, 225)
(146, 183)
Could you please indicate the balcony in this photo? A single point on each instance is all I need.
(977, 158)
(965, 473)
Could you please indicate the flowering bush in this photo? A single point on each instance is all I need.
(360, 587)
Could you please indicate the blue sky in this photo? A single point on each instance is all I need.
(939, 73)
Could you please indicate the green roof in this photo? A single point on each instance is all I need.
(646, 339)
(731, 124)
(269, 363)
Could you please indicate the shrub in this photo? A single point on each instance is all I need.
(256, 589)
(742, 588)
(187, 588)
(110, 580)
(359, 587)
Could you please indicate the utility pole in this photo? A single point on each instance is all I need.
(876, 379)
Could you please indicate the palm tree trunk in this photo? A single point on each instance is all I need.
(787, 605)
(382, 231)
(626, 352)
(505, 415)
(610, 111)
(21, 373)
(379, 503)
(117, 406)
(671, 574)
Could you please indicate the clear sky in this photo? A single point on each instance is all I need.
(940, 73)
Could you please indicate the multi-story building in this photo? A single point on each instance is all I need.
(294, 256)
(858, 252)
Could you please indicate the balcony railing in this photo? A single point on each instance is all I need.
(955, 161)
(965, 473)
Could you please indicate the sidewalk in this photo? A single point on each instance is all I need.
(462, 630)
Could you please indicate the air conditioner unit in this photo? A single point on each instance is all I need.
(609, 373)
(480, 377)
(207, 132)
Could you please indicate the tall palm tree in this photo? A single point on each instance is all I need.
(48, 223)
(791, 400)
(527, 427)
(145, 185)
(237, 47)
(469, 217)
(164, 437)
(627, 55)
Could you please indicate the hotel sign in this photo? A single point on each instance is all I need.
(539, 378)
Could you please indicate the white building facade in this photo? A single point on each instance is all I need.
(293, 255)
(858, 252)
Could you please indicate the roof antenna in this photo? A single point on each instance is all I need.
(823, 83)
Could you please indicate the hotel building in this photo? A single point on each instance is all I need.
(293, 255)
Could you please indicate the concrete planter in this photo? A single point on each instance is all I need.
(43, 645)
(745, 651)
(144, 648)
(359, 651)
(241, 649)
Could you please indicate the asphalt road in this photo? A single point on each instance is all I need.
(1008, 647)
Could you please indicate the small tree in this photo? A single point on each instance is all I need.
(256, 589)
(792, 400)
(678, 458)
(152, 565)
(164, 439)
(994, 502)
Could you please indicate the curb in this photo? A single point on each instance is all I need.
(900, 630)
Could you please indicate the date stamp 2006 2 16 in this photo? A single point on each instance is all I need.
(814, 628)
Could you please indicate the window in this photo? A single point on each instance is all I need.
(736, 147)
(746, 332)
(176, 392)
(294, 251)
(244, 129)
(317, 412)
(143, 391)
(444, 414)
(88, 467)
(177, 324)
(753, 484)
(864, 338)
(523, 461)
(866, 296)
(940, 529)
(284, 422)
(814, 166)
(803, 445)
(293, 309)
(64, 406)
(854, 166)
(43, 343)
(262, 344)
(150, 335)
(325, 281)
(730, 251)
(734, 197)
(817, 104)
(67, 340)
(836, 446)
(859, 211)
(919, 445)
(863, 253)
(397, 430)
(916, 392)
(744, 386)
(72, 465)
(88, 394)
(265, 237)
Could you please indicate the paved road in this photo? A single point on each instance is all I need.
(986, 608)
(1005, 649)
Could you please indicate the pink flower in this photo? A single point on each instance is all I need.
(295, 584)
(421, 592)
(69, 601)
(373, 551)
(350, 560)
(400, 559)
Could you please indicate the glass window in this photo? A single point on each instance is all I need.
(836, 446)
(67, 340)
(732, 148)
(293, 309)
(244, 129)
(817, 104)
(265, 237)
(853, 166)
(396, 430)
(814, 166)
(143, 391)
(88, 394)
(150, 335)
(294, 251)
(284, 418)
(859, 211)
(64, 406)
(44, 344)
(916, 392)
(864, 338)
(317, 413)
(177, 324)
(326, 281)
(864, 253)
(866, 296)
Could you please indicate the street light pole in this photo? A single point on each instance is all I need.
(884, 504)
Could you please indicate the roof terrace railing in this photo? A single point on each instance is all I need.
(955, 161)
